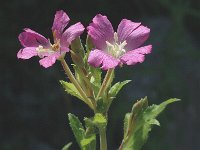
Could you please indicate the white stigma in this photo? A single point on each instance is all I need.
(116, 49)
(43, 51)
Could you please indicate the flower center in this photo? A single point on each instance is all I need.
(116, 49)
(47, 51)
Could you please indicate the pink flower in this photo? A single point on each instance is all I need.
(117, 48)
(34, 44)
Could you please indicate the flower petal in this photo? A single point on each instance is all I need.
(100, 30)
(137, 37)
(70, 34)
(125, 28)
(27, 53)
(136, 56)
(30, 38)
(50, 60)
(98, 57)
(60, 22)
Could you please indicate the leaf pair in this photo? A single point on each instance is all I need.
(138, 123)
(84, 140)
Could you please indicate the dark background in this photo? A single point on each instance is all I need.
(34, 107)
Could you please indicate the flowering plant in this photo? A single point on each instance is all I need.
(104, 50)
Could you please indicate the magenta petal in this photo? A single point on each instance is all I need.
(50, 60)
(136, 56)
(47, 61)
(27, 53)
(125, 28)
(30, 38)
(98, 57)
(60, 22)
(70, 34)
(137, 37)
(100, 30)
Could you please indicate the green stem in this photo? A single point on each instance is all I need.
(103, 140)
(76, 84)
(105, 83)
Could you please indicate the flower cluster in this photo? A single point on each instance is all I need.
(111, 48)
(37, 45)
(105, 49)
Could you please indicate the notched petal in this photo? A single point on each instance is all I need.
(70, 34)
(137, 37)
(136, 56)
(125, 28)
(60, 22)
(100, 31)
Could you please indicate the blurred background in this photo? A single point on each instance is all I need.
(34, 107)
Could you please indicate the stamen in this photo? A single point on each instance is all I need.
(43, 51)
(116, 49)
(115, 37)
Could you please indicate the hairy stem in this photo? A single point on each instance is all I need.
(105, 83)
(76, 84)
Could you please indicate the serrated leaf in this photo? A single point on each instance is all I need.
(87, 141)
(71, 89)
(90, 135)
(66, 147)
(139, 122)
(114, 90)
(154, 110)
(77, 128)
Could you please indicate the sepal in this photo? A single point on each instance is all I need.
(71, 89)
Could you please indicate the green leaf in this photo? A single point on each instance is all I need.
(77, 53)
(71, 89)
(126, 123)
(95, 76)
(77, 47)
(89, 44)
(66, 147)
(77, 128)
(139, 106)
(114, 90)
(139, 122)
(87, 141)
